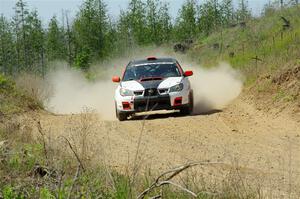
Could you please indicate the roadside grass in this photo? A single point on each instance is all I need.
(14, 100)
(264, 38)
(34, 87)
(264, 51)
(283, 96)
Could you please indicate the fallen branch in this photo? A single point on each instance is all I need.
(178, 186)
(159, 182)
(156, 197)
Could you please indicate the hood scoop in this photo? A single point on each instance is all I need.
(151, 82)
(150, 79)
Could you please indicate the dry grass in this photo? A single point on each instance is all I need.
(35, 87)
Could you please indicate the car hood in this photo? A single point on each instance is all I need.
(160, 84)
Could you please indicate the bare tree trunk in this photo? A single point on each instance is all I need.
(69, 39)
(4, 67)
(25, 54)
(17, 67)
(43, 62)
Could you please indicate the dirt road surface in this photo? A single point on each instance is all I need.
(239, 134)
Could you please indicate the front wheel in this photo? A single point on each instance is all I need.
(188, 110)
(121, 116)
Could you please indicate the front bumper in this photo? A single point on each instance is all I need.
(152, 103)
(174, 101)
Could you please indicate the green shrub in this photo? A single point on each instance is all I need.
(8, 192)
(5, 83)
(46, 194)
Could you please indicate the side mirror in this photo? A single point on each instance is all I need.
(188, 73)
(116, 79)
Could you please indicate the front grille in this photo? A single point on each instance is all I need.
(151, 92)
(145, 104)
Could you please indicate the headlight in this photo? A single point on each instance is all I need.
(126, 92)
(176, 88)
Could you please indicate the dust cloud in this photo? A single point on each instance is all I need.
(215, 88)
(72, 93)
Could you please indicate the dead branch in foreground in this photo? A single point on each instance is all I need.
(74, 152)
(164, 179)
(80, 166)
(40, 130)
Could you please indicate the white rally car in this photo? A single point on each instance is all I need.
(153, 84)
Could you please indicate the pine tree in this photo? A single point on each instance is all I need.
(35, 43)
(186, 22)
(206, 18)
(90, 28)
(55, 44)
(124, 37)
(216, 14)
(137, 21)
(112, 44)
(69, 38)
(243, 12)
(20, 29)
(152, 21)
(227, 12)
(165, 24)
(7, 52)
(158, 22)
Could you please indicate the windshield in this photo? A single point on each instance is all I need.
(157, 70)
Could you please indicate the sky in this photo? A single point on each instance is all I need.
(48, 8)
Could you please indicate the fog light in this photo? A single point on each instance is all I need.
(126, 105)
(178, 101)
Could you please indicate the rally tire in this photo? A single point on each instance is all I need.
(188, 110)
(122, 116)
